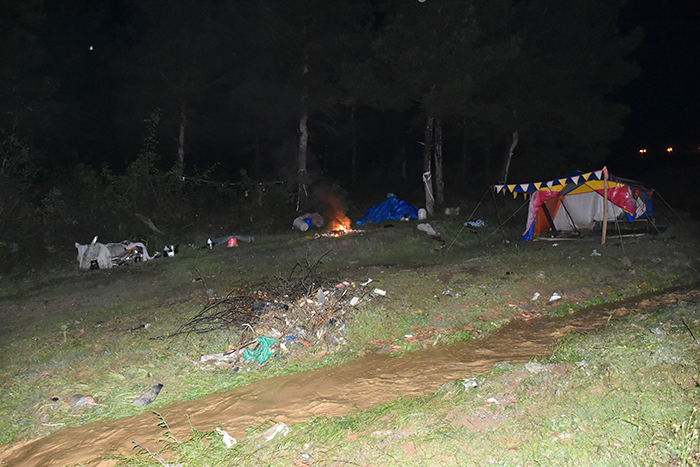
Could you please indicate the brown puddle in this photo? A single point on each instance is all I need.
(362, 384)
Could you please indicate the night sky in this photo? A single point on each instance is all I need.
(665, 98)
(89, 50)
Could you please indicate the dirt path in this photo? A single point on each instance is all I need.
(362, 384)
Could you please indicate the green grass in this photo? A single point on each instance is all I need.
(627, 398)
(472, 290)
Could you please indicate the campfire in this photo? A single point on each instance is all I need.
(338, 222)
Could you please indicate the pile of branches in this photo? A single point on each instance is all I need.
(300, 304)
(237, 308)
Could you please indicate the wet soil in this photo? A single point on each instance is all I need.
(362, 384)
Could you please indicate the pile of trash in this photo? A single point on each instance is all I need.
(275, 326)
(106, 255)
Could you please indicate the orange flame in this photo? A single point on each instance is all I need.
(338, 222)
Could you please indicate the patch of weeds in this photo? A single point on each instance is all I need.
(501, 368)
(565, 308)
(458, 336)
(680, 440)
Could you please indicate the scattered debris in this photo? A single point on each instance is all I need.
(218, 359)
(303, 311)
(452, 211)
(534, 367)
(149, 396)
(170, 251)
(278, 428)
(657, 331)
(595, 253)
(555, 296)
(302, 224)
(262, 352)
(535, 296)
(320, 297)
(104, 256)
(470, 383)
(79, 400)
(225, 240)
(228, 440)
(427, 228)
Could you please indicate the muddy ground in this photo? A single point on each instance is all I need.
(374, 379)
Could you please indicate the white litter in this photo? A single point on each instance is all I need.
(229, 440)
(270, 434)
(470, 383)
(354, 301)
(380, 291)
(534, 367)
(427, 228)
(535, 296)
(595, 253)
(366, 282)
(555, 296)
(492, 400)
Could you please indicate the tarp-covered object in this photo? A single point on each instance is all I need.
(577, 201)
(104, 256)
(391, 209)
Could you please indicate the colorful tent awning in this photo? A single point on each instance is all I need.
(552, 185)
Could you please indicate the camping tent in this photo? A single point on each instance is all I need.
(577, 201)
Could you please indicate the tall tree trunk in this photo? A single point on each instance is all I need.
(181, 140)
(353, 148)
(439, 179)
(427, 175)
(487, 161)
(404, 160)
(512, 142)
(303, 134)
(303, 144)
(464, 166)
(258, 156)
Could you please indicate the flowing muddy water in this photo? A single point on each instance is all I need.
(362, 384)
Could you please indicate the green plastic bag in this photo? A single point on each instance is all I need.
(262, 353)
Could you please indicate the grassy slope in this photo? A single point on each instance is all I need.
(77, 332)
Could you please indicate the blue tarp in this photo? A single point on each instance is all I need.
(391, 209)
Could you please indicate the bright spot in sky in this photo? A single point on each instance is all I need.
(91, 46)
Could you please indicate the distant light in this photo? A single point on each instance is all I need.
(422, 1)
(669, 149)
(90, 47)
(642, 151)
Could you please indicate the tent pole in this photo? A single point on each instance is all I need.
(468, 219)
(527, 201)
(548, 215)
(619, 232)
(498, 216)
(668, 206)
(568, 214)
(605, 206)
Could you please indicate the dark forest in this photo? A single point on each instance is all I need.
(157, 119)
